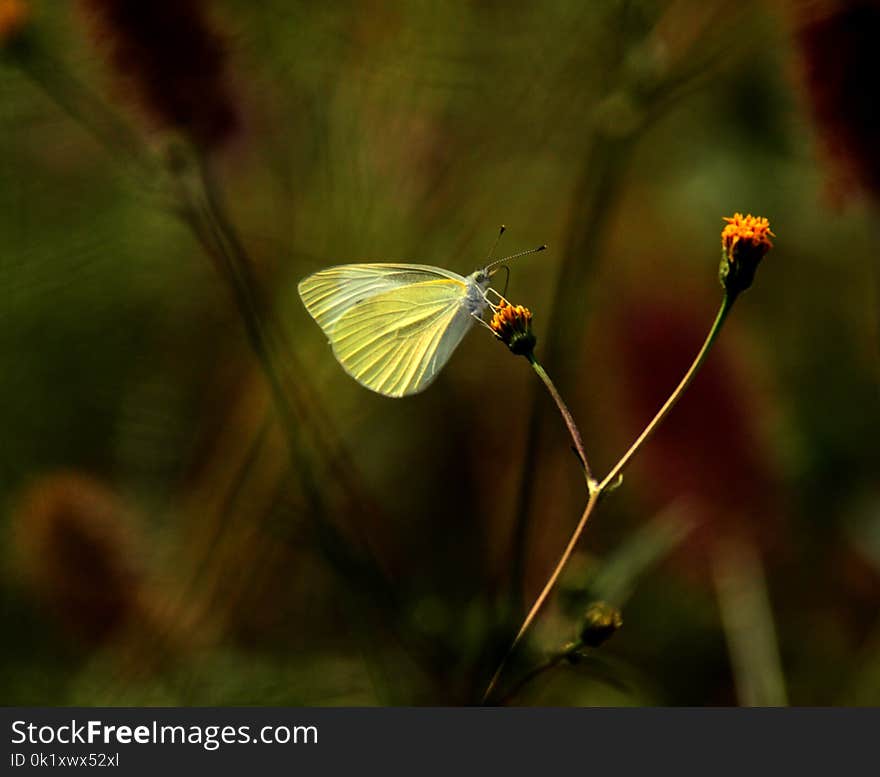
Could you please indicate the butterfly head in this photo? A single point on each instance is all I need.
(482, 278)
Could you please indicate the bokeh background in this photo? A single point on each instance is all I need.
(160, 545)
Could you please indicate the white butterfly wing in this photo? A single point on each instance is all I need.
(392, 326)
(397, 341)
(330, 293)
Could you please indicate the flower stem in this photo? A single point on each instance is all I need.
(551, 663)
(592, 204)
(597, 490)
(566, 416)
(545, 592)
(617, 469)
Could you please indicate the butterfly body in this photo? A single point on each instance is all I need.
(393, 327)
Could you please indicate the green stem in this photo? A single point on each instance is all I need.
(551, 663)
(617, 469)
(596, 491)
(566, 415)
(592, 204)
(545, 592)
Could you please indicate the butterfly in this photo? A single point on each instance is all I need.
(393, 327)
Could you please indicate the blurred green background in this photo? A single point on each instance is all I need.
(159, 548)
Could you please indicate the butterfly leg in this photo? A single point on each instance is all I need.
(502, 300)
(482, 322)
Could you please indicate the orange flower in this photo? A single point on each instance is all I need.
(744, 241)
(753, 231)
(512, 324)
(14, 16)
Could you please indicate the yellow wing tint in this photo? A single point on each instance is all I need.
(396, 342)
(330, 293)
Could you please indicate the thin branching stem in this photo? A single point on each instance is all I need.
(565, 413)
(617, 470)
(551, 663)
(598, 489)
(545, 592)
(593, 200)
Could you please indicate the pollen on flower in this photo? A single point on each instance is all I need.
(14, 16)
(745, 240)
(512, 324)
(746, 233)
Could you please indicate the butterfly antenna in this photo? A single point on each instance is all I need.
(501, 230)
(506, 278)
(515, 256)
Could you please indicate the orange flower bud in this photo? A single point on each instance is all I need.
(744, 241)
(512, 324)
